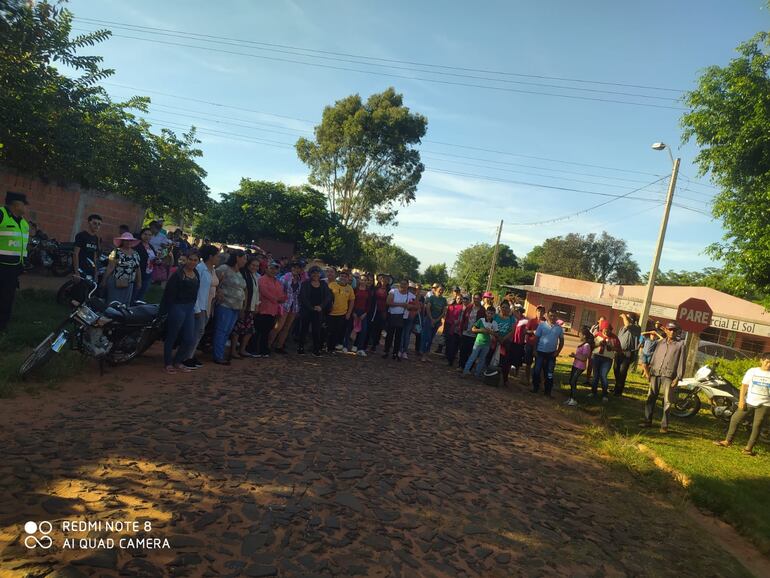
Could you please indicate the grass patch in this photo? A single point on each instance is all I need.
(729, 484)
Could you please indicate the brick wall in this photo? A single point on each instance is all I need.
(61, 210)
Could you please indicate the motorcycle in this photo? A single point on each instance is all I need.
(49, 254)
(112, 333)
(75, 289)
(722, 395)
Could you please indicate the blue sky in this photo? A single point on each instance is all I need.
(548, 140)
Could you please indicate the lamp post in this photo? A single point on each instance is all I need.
(659, 146)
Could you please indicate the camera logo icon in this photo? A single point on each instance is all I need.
(38, 534)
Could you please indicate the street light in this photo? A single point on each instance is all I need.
(659, 146)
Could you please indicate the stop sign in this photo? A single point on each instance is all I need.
(694, 315)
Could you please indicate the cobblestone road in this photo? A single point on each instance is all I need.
(326, 467)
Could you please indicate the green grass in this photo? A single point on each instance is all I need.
(729, 484)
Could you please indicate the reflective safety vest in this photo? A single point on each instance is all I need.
(13, 239)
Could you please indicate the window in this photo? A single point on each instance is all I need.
(564, 312)
(588, 317)
(753, 346)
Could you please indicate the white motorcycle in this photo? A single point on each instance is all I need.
(722, 394)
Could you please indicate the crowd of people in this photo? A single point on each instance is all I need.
(240, 304)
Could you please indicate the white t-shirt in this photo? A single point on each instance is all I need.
(759, 387)
(399, 300)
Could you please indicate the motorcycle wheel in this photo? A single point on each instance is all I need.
(41, 354)
(118, 357)
(64, 295)
(60, 268)
(722, 404)
(686, 404)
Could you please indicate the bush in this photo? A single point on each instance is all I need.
(734, 370)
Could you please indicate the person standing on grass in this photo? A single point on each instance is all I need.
(179, 297)
(85, 253)
(629, 339)
(433, 314)
(581, 356)
(549, 338)
(341, 311)
(397, 301)
(473, 311)
(606, 345)
(314, 298)
(589, 368)
(452, 328)
(648, 341)
(206, 275)
(754, 396)
(231, 297)
(666, 369)
(271, 297)
(484, 328)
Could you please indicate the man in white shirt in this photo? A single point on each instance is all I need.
(754, 396)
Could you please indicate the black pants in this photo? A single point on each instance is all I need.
(620, 369)
(335, 328)
(375, 331)
(393, 335)
(312, 321)
(9, 282)
(417, 342)
(466, 346)
(452, 346)
(264, 324)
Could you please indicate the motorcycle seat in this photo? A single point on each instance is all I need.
(138, 315)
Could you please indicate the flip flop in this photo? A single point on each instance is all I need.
(746, 452)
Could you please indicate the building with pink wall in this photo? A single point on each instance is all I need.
(736, 322)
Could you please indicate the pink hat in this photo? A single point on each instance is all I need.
(133, 242)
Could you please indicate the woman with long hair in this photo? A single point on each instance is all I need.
(378, 314)
(581, 356)
(314, 298)
(179, 297)
(206, 291)
(146, 264)
(398, 300)
(231, 299)
(271, 297)
(244, 327)
(291, 281)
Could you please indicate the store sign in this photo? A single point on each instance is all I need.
(664, 312)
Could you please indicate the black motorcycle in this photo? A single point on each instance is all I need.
(49, 254)
(78, 289)
(112, 333)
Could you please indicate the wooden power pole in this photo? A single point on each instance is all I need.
(494, 257)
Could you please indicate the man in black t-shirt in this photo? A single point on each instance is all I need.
(86, 253)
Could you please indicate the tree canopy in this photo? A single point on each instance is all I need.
(603, 258)
(68, 129)
(729, 119)
(471, 268)
(276, 211)
(362, 157)
(713, 277)
(436, 274)
(380, 255)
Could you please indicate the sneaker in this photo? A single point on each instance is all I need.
(361, 353)
(251, 355)
(316, 353)
(354, 349)
(338, 347)
(300, 350)
(183, 368)
(197, 362)
(189, 364)
(571, 402)
(344, 350)
(404, 355)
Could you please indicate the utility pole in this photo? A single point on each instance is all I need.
(494, 257)
(659, 249)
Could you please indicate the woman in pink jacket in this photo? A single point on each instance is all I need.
(271, 296)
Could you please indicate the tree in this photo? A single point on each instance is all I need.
(729, 118)
(471, 267)
(68, 129)
(362, 157)
(713, 277)
(276, 211)
(603, 259)
(380, 255)
(436, 274)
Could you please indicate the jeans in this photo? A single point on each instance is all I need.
(201, 319)
(545, 363)
(428, 333)
(141, 290)
(622, 363)
(406, 334)
(180, 323)
(601, 367)
(479, 355)
(574, 375)
(759, 416)
(466, 346)
(224, 321)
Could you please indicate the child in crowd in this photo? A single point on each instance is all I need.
(648, 340)
(582, 354)
(484, 329)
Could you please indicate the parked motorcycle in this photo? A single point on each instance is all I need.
(722, 395)
(111, 332)
(49, 254)
(77, 289)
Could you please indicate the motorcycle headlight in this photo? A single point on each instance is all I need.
(87, 315)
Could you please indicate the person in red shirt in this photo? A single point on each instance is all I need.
(472, 312)
(530, 342)
(271, 296)
(379, 311)
(452, 328)
(360, 318)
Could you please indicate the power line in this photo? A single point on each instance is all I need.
(392, 75)
(363, 57)
(694, 210)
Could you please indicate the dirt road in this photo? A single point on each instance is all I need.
(337, 466)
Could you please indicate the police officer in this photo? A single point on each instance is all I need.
(14, 235)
